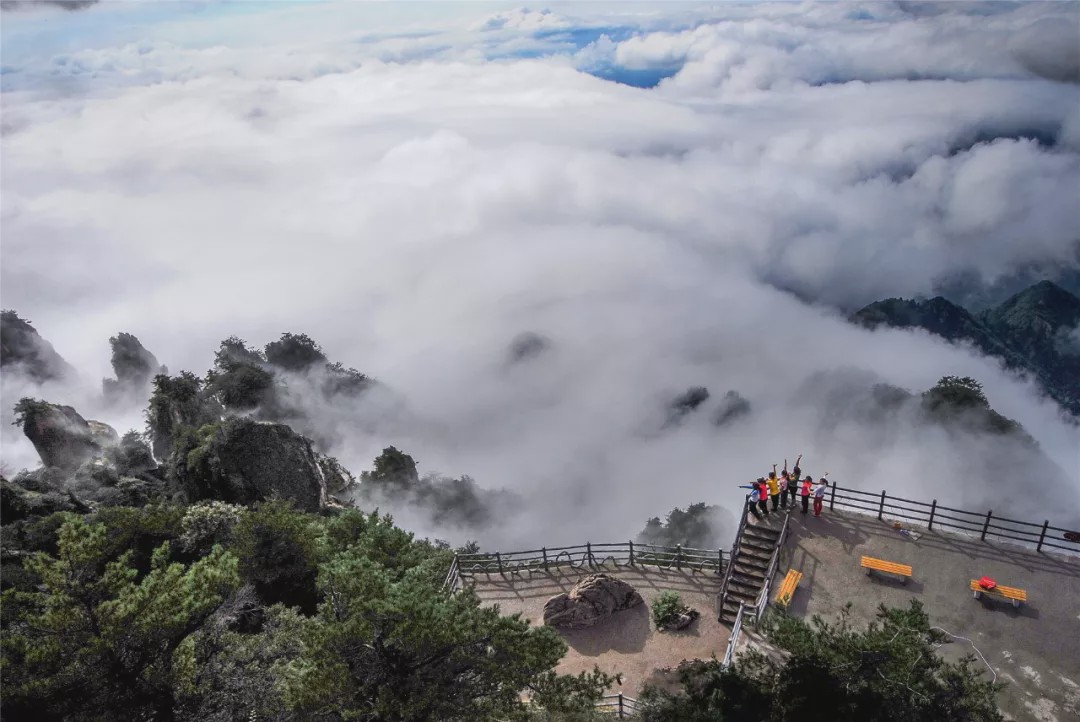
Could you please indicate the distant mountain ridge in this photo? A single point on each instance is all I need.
(1035, 330)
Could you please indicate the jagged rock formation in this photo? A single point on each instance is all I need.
(731, 407)
(134, 367)
(243, 461)
(22, 350)
(62, 437)
(590, 601)
(701, 526)
(685, 403)
(526, 346)
(1034, 330)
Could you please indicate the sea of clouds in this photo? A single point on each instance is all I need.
(671, 194)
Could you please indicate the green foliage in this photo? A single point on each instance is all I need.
(394, 469)
(387, 646)
(294, 352)
(218, 613)
(666, 608)
(961, 400)
(278, 548)
(695, 528)
(177, 404)
(832, 671)
(27, 410)
(208, 523)
(97, 637)
(234, 352)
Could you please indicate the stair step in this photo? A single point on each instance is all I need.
(755, 545)
(765, 528)
(748, 577)
(741, 595)
(754, 555)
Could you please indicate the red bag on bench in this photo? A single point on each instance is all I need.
(987, 583)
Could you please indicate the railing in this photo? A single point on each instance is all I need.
(734, 553)
(763, 598)
(619, 705)
(934, 514)
(587, 555)
(453, 577)
(733, 640)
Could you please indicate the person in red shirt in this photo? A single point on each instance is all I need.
(763, 491)
(807, 485)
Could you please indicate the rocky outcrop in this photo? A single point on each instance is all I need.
(593, 599)
(685, 403)
(527, 346)
(62, 437)
(731, 407)
(243, 461)
(17, 503)
(22, 350)
(135, 368)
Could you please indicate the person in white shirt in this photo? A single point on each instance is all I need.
(819, 495)
(755, 497)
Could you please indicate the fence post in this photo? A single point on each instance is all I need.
(881, 506)
(588, 551)
(933, 510)
(1042, 535)
(832, 499)
(620, 706)
(678, 557)
(498, 558)
(631, 553)
(986, 524)
(719, 561)
(545, 559)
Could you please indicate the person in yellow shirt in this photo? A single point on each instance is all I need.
(774, 489)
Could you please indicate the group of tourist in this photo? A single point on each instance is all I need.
(780, 489)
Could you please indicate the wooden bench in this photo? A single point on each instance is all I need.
(871, 564)
(787, 589)
(1016, 596)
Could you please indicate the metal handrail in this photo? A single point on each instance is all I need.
(774, 562)
(734, 553)
(733, 640)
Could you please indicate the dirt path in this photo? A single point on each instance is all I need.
(626, 643)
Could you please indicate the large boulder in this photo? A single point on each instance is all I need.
(242, 461)
(22, 350)
(593, 599)
(62, 438)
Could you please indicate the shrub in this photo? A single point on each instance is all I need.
(666, 608)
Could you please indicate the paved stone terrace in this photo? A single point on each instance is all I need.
(626, 643)
(1035, 649)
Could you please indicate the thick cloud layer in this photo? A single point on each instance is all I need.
(417, 190)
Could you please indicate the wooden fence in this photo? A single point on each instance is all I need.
(588, 555)
(619, 705)
(984, 524)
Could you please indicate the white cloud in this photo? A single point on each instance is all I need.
(414, 205)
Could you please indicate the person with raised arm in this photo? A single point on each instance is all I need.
(774, 488)
(819, 494)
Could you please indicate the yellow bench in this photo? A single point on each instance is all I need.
(1016, 596)
(787, 589)
(872, 564)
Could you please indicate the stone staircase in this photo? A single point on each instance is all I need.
(746, 578)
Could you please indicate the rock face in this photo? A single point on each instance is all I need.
(62, 437)
(1033, 331)
(243, 461)
(134, 367)
(593, 599)
(23, 350)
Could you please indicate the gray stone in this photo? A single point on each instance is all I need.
(591, 600)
